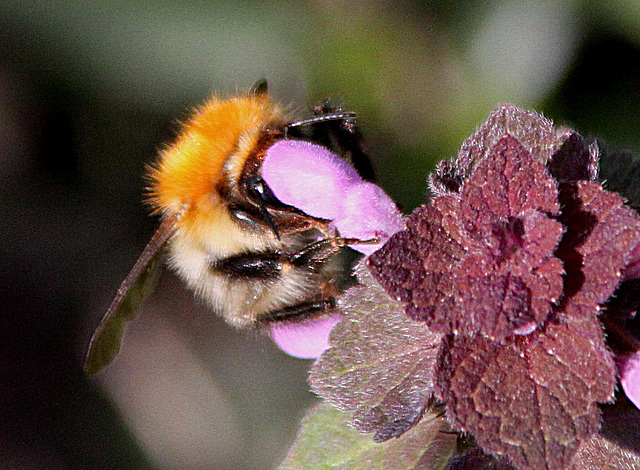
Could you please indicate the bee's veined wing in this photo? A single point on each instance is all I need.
(139, 283)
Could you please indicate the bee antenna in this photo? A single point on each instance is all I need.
(323, 118)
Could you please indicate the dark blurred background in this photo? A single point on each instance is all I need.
(89, 91)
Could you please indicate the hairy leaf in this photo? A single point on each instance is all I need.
(534, 132)
(513, 262)
(599, 453)
(481, 261)
(575, 160)
(326, 441)
(380, 363)
(601, 233)
(533, 399)
(617, 445)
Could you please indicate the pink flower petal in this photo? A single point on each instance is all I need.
(308, 176)
(316, 181)
(368, 213)
(629, 367)
(305, 340)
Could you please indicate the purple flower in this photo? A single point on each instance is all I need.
(629, 368)
(307, 339)
(314, 180)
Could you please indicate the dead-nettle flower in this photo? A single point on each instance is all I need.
(504, 278)
(313, 179)
(630, 376)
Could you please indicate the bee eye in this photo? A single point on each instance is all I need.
(258, 192)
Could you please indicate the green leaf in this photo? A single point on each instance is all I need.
(106, 340)
(326, 441)
(380, 364)
(601, 453)
(617, 445)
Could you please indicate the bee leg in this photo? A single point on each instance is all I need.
(315, 254)
(250, 265)
(268, 265)
(298, 312)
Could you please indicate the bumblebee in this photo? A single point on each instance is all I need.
(253, 258)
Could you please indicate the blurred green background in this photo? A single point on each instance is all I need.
(89, 91)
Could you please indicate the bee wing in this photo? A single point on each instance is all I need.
(139, 283)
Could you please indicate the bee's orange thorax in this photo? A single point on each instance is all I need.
(209, 152)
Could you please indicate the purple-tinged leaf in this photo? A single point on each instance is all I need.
(601, 235)
(326, 440)
(475, 459)
(632, 269)
(599, 453)
(512, 263)
(414, 265)
(481, 261)
(507, 182)
(534, 132)
(380, 363)
(533, 399)
(575, 160)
